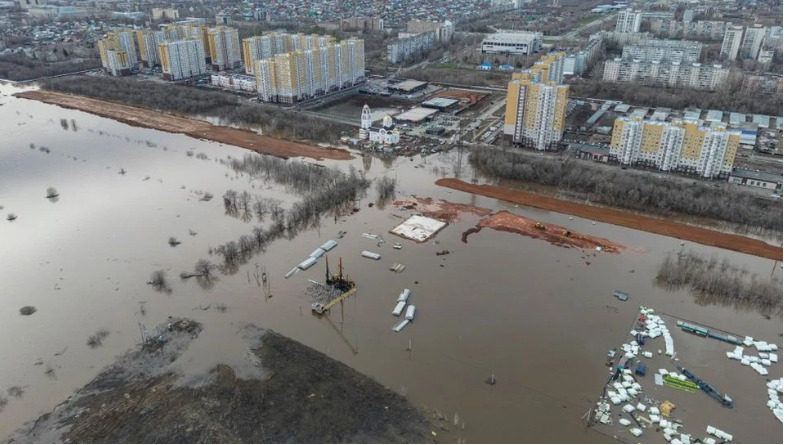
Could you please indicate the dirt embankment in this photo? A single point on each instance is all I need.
(556, 235)
(441, 210)
(195, 128)
(639, 222)
(303, 397)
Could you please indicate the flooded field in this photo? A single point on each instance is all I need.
(539, 316)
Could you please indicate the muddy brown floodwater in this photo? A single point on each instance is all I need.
(536, 315)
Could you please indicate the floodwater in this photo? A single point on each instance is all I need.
(536, 315)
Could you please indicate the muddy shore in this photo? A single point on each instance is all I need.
(140, 117)
(665, 227)
(298, 396)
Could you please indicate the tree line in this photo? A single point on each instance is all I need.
(719, 282)
(21, 67)
(731, 96)
(188, 100)
(641, 192)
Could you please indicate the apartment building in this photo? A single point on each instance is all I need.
(401, 49)
(297, 75)
(628, 20)
(443, 30)
(579, 62)
(682, 145)
(224, 48)
(268, 45)
(752, 41)
(148, 42)
(182, 59)
(123, 57)
(670, 74)
(535, 110)
(702, 29)
(774, 37)
(663, 50)
(164, 13)
(731, 41)
(550, 68)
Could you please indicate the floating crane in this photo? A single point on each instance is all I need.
(336, 281)
(723, 399)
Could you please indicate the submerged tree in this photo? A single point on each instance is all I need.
(52, 192)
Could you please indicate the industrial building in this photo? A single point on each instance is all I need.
(182, 59)
(535, 110)
(766, 180)
(297, 75)
(628, 21)
(682, 145)
(224, 48)
(416, 115)
(401, 49)
(440, 103)
(656, 73)
(407, 87)
(118, 55)
(512, 42)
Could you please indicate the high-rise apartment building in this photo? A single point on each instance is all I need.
(224, 47)
(536, 108)
(684, 146)
(148, 42)
(628, 21)
(304, 73)
(182, 59)
(268, 45)
(117, 41)
(752, 41)
(731, 41)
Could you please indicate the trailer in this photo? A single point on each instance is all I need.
(621, 295)
(723, 399)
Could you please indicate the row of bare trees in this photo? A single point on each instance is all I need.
(271, 119)
(715, 281)
(243, 205)
(632, 190)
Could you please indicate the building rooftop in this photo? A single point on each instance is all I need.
(416, 114)
(761, 120)
(512, 36)
(714, 116)
(408, 85)
(440, 102)
(777, 178)
(640, 112)
(692, 114)
(622, 108)
(660, 115)
(736, 118)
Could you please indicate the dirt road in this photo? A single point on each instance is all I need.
(625, 219)
(141, 117)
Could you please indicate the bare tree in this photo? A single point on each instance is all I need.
(52, 192)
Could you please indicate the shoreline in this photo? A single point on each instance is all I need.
(171, 123)
(737, 243)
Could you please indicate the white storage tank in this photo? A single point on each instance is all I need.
(306, 264)
(399, 308)
(410, 312)
(371, 255)
(399, 327)
(317, 253)
(404, 295)
(329, 245)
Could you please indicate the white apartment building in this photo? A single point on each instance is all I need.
(684, 146)
(752, 41)
(182, 59)
(513, 42)
(731, 41)
(672, 74)
(628, 21)
(663, 50)
(298, 75)
(224, 47)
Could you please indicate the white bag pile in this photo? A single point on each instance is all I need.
(760, 362)
(720, 434)
(774, 387)
(655, 327)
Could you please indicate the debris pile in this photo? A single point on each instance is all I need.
(766, 355)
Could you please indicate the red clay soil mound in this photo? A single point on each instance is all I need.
(141, 117)
(665, 227)
(556, 235)
(441, 210)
